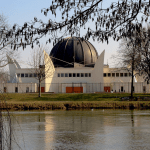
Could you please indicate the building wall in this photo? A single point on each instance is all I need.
(26, 79)
(87, 87)
(22, 87)
(98, 78)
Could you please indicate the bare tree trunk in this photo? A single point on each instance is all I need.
(10, 133)
(132, 79)
(1, 130)
(39, 87)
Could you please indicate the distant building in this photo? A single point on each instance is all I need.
(77, 69)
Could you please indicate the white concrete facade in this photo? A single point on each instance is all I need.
(99, 78)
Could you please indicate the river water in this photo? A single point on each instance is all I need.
(81, 130)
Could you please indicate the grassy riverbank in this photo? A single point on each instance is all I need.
(30, 101)
(33, 97)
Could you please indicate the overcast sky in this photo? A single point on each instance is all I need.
(20, 11)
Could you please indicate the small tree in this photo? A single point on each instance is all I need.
(41, 64)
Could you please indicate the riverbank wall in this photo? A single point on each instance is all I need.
(75, 105)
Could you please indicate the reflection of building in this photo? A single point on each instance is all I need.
(76, 67)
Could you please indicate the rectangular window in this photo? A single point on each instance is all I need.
(35, 75)
(82, 74)
(125, 74)
(130, 74)
(62, 74)
(104, 74)
(18, 74)
(113, 74)
(26, 74)
(89, 74)
(121, 74)
(70, 74)
(78, 74)
(30, 75)
(66, 74)
(117, 74)
(58, 75)
(22, 74)
(86, 74)
(74, 74)
(109, 74)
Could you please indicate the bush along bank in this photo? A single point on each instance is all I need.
(75, 105)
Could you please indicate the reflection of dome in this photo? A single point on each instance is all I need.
(73, 50)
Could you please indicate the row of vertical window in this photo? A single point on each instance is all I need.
(116, 74)
(74, 74)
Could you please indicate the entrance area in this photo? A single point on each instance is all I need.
(16, 89)
(74, 89)
(106, 88)
(121, 88)
(5, 89)
(27, 89)
(42, 89)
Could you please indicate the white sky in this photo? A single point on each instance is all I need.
(20, 11)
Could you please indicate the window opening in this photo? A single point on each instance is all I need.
(82, 74)
(66, 74)
(109, 74)
(22, 75)
(121, 88)
(70, 74)
(113, 74)
(74, 74)
(117, 74)
(30, 75)
(121, 74)
(78, 74)
(26, 74)
(16, 89)
(86, 74)
(104, 74)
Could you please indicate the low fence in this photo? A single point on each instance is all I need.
(139, 87)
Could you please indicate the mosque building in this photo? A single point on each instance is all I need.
(74, 67)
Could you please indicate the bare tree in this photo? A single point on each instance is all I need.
(5, 130)
(115, 20)
(4, 76)
(42, 66)
(128, 56)
(5, 48)
(144, 50)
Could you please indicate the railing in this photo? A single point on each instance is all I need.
(125, 87)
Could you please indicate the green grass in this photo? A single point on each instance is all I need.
(32, 97)
(31, 101)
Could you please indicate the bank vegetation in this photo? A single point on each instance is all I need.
(49, 101)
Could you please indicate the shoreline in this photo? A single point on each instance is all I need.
(71, 105)
(28, 101)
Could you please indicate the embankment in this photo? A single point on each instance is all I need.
(75, 105)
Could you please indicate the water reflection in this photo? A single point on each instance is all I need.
(97, 129)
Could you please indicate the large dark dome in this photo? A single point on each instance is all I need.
(73, 50)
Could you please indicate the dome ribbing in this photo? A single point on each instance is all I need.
(73, 50)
